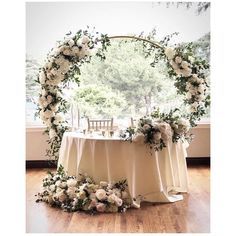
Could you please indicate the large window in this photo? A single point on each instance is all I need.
(124, 85)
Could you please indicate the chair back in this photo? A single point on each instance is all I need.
(98, 124)
(133, 122)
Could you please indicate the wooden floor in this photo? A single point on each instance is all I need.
(192, 215)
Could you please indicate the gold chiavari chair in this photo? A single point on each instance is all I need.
(98, 124)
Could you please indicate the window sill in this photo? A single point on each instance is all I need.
(41, 128)
(35, 128)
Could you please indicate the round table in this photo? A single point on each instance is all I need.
(151, 176)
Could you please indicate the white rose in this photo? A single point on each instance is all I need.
(41, 101)
(201, 88)
(55, 81)
(42, 77)
(43, 92)
(101, 194)
(59, 60)
(54, 108)
(65, 66)
(200, 97)
(103, 184)
(48, 123)
(117, 192)
(61, 196)
(52, 187)
(193, 107)
(71, 192)
(82, 53)
(184, 124)
(189, 95)
(85, 39)
(101, 207)
(75, 50)
(53, 71)
(178, 71)
(49, 99)
(52, 133)
(71, 42)
(67, 39)
(55, 177)
(92, 204)
(56, 52)
(58, 119)
(58, 190)
(79, 42)
(63, 185)
(67, 52)
(146, 127)
(178, 60)
(71, 182)
(49, 114)
(157, 136)
(186, 72)
(174, 126)
(191, 59)
(111, 198)
(189, 87)
(169, 52)
(194, 78)
(58, 183)
(48, 199)
(75, 202)
(81, 195)
(174, 65)
(184, 64)
(86, 51)
(41, 114)
(138, 138)
(200, 80)
(118, 201)
(48, 65)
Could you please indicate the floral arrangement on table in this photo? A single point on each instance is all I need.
(67, 58)
(158, 129)
(82, 194)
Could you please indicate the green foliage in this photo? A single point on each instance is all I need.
(99, 101)
(127, 70)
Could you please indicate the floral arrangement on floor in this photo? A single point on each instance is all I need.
(67, 57)
(83, 194)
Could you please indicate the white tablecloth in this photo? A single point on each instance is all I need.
(156, 176)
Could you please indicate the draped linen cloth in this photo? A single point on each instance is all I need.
(151, 176)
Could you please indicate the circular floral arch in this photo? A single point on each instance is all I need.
(66, 58)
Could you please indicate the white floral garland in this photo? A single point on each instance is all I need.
(196, 87)
(54, 73)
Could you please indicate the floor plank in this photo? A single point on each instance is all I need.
(192, 215)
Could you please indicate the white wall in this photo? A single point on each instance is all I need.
(36, 143)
